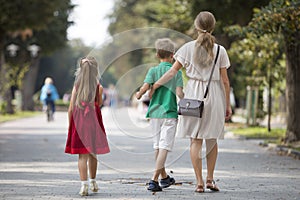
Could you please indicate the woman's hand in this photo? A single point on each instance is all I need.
(228, 113)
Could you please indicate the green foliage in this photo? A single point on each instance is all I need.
(17, 15)
(259, 132)
(24, 23)
(228, 12)
(2, 107)
(259, 57)
(279, 16)
(130, 14)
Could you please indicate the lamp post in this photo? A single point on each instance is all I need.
(33, 49)
(14, 51)
(13, 48)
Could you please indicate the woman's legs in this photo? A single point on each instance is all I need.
(196, 158)
(211, 157)
(82, 166)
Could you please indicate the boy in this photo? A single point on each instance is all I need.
(162, 111)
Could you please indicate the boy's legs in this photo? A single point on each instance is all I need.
(163, 173)
(164, 131)
(160, 164)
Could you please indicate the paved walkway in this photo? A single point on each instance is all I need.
(33, 164)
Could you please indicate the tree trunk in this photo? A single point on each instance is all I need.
(29, 85)
(5, 90)
(293, 88)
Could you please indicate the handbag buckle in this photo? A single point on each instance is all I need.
(187, 105)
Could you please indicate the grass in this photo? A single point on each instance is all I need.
(259, 133)
(274, 137)
(17, 115)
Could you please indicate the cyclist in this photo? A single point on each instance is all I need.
(49, 95)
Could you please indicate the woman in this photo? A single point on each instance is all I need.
(197, 58)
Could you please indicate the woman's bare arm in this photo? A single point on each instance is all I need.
(226, 83)
(143, 90)
(166, 77)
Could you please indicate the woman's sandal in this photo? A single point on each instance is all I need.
(199, 189)
(211, 184)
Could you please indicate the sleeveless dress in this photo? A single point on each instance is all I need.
(211, 125)
(86, 134)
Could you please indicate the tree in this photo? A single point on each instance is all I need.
(259, 61)
(132, 15)
(17, 17)
(56, 32)
(282, 17)
(179, 16)
(26, 23)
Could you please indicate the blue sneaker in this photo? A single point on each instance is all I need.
(166, 182)
(154, 186)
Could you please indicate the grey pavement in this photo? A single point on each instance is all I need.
(33, 164)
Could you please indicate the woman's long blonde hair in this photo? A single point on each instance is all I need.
(203, 51)
(87, 78)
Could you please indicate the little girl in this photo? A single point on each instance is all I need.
(86, 134)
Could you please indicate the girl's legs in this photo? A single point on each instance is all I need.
(196, 158)
(93, 172)
(92, 165)
(82, 166)
(211, 157)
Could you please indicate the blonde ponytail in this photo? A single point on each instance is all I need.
(203, 52)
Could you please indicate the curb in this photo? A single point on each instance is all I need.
(282, 150)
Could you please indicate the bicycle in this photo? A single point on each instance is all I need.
(49, 112)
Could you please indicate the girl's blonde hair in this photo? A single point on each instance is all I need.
(203, 51)
(87, 78)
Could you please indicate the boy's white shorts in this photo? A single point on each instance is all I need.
(163, 132)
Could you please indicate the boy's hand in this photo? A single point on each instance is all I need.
(152, 90)
(138, 95)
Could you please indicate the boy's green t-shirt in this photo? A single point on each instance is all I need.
(163, 103)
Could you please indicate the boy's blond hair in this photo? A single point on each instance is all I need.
(165, 48)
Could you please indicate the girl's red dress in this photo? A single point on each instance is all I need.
(86, 132)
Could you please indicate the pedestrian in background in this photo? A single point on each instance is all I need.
(162, 111)
(197, 57)
(49, 95)
(86, 134)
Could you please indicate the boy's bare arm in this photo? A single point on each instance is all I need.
(143, 90)
(179, 92)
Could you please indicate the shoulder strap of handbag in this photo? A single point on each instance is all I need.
(212, 71)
